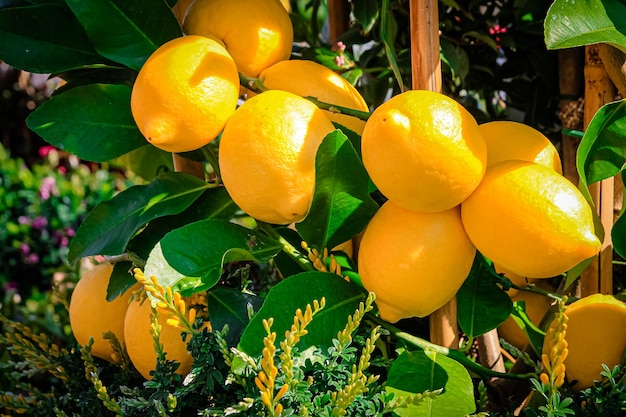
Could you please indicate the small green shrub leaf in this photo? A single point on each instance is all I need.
(481, 304)
(200, 249)
(93, 122)
(366, 13)
(341, 205)
(110, 225)
(419, 371)
(44, 38)
(228, 306)
(127, 32)
(604, 22)
(295, 292)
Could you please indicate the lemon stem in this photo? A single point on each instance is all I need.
(127, 257)
(455, 354)
(256, 85)
(288, 248)
(210, 154)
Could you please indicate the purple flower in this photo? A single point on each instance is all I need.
(24, 249)
(23, 220)
(40, 222)
(33, 258)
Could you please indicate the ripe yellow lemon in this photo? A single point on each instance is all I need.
(180, 8)
(423, 151)
(308, 78)
(184, 93)
(414, 262)
(530, 220)
(140, 344)
(595, 335)
(256, 33)
(513, 140)
(91, 314)
(267, 155)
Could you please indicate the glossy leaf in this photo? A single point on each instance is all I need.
(147, 162)
(109, 226)
(366, 13)
(228, 306)
(341, 205)
(534, 334)
(419, 371)
(121, 280)
(295, 292)
(481, 304)
(200, 249)
(94, 122)
(584, 22)
(602, 154)
(44, 38)
(213, 203)
(127, 32)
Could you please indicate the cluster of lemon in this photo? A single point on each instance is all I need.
(453, 186)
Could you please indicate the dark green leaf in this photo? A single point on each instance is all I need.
(341, 205)
(200, 249)
(584, 22)
(419, 371)
(94, 122)
(342, 299)
(110, 225)
(456, 59)
(602, 151)
(121, 280)
(231, 307)
(127, 32)
(147, 162)
(213, 203)
(366, 13)
(481, 303)
(95, 75)
(534, 334)
(618, 232)
(285, 263)
(44, 38)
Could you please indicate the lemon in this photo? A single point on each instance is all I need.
(256, 33)
(184, 93)
(140, 344)
(91, 314)
(595, 335)
(513, 140)
(414, 262)
(530, 220)
(267, 155)
(423, 151)
(308, 78)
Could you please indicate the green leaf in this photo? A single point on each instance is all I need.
(388, 33)
(481, 303)
(228, 306)
(200, 249)
(366, 13)
(419, 371)
(295, 292)
(618, 232)
(109, 226)
(602, 154)
(44, 38)
(456, 59)
(534, 334)
(94, 122)
(147, 162)
(127, 32)
(120, 280)
(584, 22)
(213, 203)
(341, 205)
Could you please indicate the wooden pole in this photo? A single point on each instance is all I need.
(426, 75)
(599, 90)
(338, 18)
(571, 88)
(188, 166)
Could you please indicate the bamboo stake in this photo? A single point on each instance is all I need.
(188, 166)
(426, 75)
(489, 357)
(599, 90)
(338, 18)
